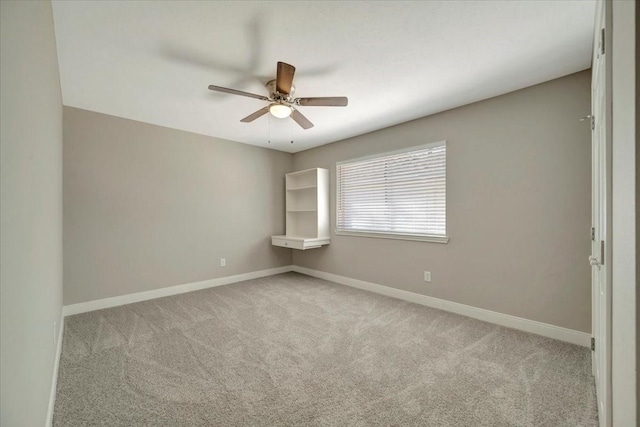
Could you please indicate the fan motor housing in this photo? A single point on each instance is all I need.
(277, 96)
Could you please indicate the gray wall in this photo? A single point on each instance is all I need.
(518, 207)
(30, 210)
(147, 207)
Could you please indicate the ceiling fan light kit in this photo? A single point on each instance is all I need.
(280, 111)
(281, 98)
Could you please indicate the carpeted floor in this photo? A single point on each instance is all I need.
(298, 351)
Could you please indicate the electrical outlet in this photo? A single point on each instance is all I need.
(55, 330)
(223, 262)
(427, 276)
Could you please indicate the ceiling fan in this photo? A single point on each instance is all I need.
(281, 100)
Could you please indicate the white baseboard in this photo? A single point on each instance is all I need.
(84, 307)
(54, 379)
(539, 328)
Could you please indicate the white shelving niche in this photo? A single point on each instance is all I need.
(307, 205)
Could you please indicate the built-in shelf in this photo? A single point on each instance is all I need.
(307, 210)
(308, 187)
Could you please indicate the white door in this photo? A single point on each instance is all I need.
(601, 292)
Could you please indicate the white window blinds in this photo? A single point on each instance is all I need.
(400, 193)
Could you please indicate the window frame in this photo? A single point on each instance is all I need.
(434, 238)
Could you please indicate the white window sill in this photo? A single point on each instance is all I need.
(433, 238)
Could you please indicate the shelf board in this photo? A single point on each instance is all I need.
(311, 171)
(297, 237)
(307, 187)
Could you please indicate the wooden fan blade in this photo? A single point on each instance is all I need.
(300, 119)
(328, 101)
(251, 117)
(284, 77)
(237, 92)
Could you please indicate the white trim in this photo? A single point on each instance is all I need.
(433, 238)
(539, 328)
(84, 307)
(54, 379)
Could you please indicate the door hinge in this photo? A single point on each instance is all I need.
(592, 120)
(593, 344)
(602, 41)
(593, 233)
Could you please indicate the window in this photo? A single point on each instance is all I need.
(399, 195)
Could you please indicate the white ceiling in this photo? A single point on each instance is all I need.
(396, 61)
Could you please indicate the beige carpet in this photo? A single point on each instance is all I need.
(298, 351)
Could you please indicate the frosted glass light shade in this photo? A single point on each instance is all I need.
(280, 110)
